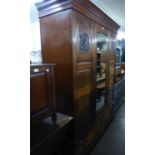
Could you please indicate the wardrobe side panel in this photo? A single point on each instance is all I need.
(56, 42)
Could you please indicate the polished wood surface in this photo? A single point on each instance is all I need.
(84, 25)
(68, 39)
(56, 45)
(42, 92)
(83, 73)
(84, 6)
(37, 87)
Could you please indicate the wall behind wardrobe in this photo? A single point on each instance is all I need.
(35, 41)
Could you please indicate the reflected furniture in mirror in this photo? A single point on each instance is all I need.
(101, 70)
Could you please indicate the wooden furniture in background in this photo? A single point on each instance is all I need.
(42, 92)
(119, 87)
(123, 65)
(119, 93)
(123, 68)
(68, 38)
(47, 128)
(117, 73)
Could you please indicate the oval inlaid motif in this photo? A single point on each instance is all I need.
(84, 42)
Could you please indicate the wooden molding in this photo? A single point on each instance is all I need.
(85, 7)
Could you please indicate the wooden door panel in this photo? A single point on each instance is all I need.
(84, 38)
(83, 89)
(82, 122)
(83, 100)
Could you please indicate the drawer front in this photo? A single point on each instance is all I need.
(39, 69)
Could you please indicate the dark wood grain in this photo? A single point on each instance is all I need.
(84, 6)
(68, 39)
(56, 45)
(42, 92)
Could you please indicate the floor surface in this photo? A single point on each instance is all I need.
(113, 140)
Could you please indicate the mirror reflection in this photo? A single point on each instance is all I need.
(101, 42)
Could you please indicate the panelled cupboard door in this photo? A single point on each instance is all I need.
(83, 100)
(84, 33)
(83, 62)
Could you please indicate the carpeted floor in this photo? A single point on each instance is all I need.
(113, 140)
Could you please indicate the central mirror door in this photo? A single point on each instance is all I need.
(101, 68)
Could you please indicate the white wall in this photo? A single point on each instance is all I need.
(35, 41)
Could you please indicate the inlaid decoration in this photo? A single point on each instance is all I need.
(84, 42)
